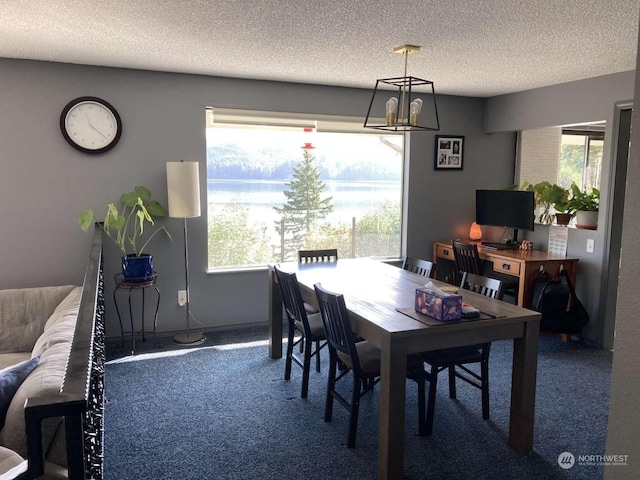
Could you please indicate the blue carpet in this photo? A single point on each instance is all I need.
(224, 411)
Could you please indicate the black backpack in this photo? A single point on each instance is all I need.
(551, 297)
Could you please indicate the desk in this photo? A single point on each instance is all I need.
(523, 264)
(373, 290)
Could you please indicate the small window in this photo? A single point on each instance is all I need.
(277, 184)
(580, 159)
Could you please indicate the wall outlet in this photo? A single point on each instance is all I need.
(590, 245)
(182, 297)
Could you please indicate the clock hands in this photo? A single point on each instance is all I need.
(92, 126)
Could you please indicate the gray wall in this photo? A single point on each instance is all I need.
(623, 435)
(45, 182)
(582, 101)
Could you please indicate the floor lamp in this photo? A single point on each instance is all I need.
(183, 188)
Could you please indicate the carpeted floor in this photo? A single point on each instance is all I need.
(224, 411)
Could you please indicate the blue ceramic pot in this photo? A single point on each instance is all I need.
(137, 269)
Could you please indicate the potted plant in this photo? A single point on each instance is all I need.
(561, 206)
(126, 227)
(585, 205)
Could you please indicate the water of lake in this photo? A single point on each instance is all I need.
(350, 199)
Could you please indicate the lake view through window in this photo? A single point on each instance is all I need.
(275, 189)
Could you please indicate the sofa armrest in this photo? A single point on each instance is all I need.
(81, 399)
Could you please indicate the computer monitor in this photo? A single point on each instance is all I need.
(506, 208)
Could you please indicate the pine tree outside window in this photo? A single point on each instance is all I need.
(273, 190)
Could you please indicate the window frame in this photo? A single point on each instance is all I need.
(322, 124)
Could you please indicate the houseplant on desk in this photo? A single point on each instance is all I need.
(126, 228)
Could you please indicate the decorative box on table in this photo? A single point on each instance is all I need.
(441, 306)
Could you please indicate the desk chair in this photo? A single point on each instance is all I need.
(419, 266)
(362, 358)
(309, 326)
(310, 256)
(455, 359)
(468, 260)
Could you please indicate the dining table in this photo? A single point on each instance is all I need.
(380, 300)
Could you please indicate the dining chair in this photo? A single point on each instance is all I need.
(310, 327)
(456, 359)
(468, 259)
(419, 266)
(311, 256)
(362, 358)
(326, 255)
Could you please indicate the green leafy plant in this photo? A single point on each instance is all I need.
(126, 226)
(583, 201)
(546, 195)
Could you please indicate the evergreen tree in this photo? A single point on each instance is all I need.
(305, 205)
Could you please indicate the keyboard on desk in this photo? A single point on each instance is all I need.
(498, 246)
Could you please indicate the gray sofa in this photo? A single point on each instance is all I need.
(53, 427)
(37, 322)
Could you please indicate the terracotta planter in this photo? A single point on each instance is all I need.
(563, 218)
(587, 220)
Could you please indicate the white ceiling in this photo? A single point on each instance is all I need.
(470, 47)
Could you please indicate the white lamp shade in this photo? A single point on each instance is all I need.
(183, 189)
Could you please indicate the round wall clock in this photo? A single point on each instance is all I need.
(90, 125)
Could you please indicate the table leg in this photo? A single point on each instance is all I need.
(115, 302)
(143, 302)
(393, 371)
(133, 335)
(523, 388)
(275, 317)
(155, 317)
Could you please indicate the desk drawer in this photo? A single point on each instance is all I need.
(445, 252)
(505, 266)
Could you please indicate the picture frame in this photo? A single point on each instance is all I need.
(449, 152)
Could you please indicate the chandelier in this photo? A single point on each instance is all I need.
(409, 103)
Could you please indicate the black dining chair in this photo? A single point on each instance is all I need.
(419, 266)
(456, 359)
(314, 256)
(362, 358)
(468, 259)
(310, 328)
(325, 255)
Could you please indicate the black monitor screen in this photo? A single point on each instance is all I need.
(505, 208)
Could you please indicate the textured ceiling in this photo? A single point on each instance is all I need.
(470, 47)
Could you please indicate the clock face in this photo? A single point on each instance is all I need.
(90, 125)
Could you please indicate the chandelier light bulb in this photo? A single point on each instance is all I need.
(392, 105)
(414, 111)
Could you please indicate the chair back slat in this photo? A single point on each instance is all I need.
(467, 257)
(292, 297)
(326, 255)
(336, 323)
(489, 287)
(419, 266)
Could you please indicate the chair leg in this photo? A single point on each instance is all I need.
(355, 409)
(452, 382)
(331, 385)
(484, 373)
(317, 355)
(431, 405)
(287, 365)
(306, 366)
(422, 427)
